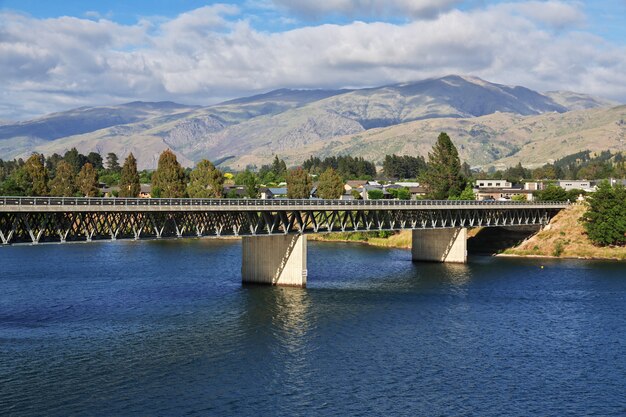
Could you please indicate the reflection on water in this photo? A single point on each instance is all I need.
(165, 328)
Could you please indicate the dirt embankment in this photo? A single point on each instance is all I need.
(565, 237)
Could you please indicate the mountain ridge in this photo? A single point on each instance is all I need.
(279, 121)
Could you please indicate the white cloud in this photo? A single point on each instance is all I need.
(553, 13)
(208, 54)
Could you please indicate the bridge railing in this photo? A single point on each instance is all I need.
(113, 201)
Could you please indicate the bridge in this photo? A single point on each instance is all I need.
(273, 231)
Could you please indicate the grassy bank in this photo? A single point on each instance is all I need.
(398, 240)
(401, 240)
(564, 237)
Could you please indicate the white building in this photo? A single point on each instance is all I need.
(575, 185)
(493, 184)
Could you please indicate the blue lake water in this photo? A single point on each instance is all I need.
(165, 328)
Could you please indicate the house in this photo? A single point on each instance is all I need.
(534, 185)
(266, 193)
(417, 192)
(568, 185)
(369, 187)
(503, 193)
(278, 192)
(493, 184)
(145, 191)
(109, 191)
(407, 184)
(354, 185)
(234, 191)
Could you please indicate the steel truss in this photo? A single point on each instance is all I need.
(59, 226)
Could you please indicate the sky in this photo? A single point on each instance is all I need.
(62, 54)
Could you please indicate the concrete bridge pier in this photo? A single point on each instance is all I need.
(440, 245)
(274, 260)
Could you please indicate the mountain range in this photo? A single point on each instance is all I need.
(492, 124)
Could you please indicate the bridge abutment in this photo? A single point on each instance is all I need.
(274, 260)
(439, 245)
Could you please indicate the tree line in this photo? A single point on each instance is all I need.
(346, 166)
(75, 174)
(584, 165)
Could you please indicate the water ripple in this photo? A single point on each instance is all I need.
(165, 328)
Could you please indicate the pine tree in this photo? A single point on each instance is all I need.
(129, 179)
(298, 184)
(51, 163)
(64, 182)
(443, 178)
(87, 181)
(206, 181)
(113, 162)
(279, 168)
(330, 185)
(168, 181)
(95, 159)
(75, 159)
(37, 175)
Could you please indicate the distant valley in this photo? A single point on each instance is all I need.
(490, 123)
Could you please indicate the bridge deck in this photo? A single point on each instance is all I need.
(52, 219)
(96, 204)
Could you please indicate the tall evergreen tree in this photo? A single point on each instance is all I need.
(75, 159)
(129, 179)
(605, 220)
(37, 175)
(64, 182)
(87, 181)
(206, 181)
(279, 168)
(95, 159)
(330, 185)
(51, 163)
(443, 178)
(298, 184)
(113, 164)
(168, 181)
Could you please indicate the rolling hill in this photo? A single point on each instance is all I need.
(489, 122)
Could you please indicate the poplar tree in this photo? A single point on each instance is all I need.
(206, 181)
(64, 182)
(129, 179)
(168, 181)
(87, 181)
(298, 184)
(36, 175)
(330, 185)
(443, 178)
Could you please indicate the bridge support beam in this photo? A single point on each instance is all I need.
(440, 245)
(274, 260)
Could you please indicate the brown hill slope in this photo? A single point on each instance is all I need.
(565, 237)
(497, 139)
